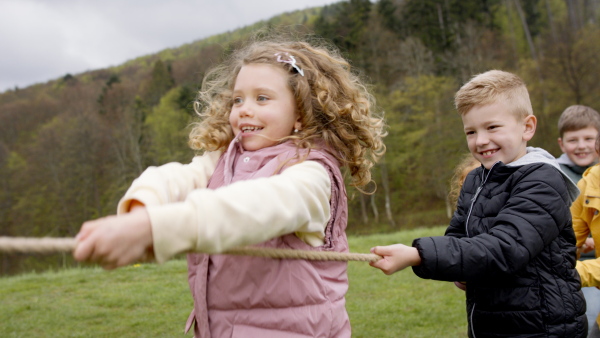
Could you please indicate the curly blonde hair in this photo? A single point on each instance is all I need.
(334, 105)
(466, 165)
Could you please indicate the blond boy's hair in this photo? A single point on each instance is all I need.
(578, 117)
(493, 86)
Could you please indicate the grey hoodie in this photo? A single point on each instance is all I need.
(536, 155)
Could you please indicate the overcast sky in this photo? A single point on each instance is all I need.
(42, 40)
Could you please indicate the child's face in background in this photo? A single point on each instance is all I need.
(495, 134)
(580, 146)
(264, 108)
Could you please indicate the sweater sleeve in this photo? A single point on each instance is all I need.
(170, 183)
(532, 218)
(245, 213)
(580, 222)
(589, 272)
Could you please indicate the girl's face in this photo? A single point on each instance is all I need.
(264, 108)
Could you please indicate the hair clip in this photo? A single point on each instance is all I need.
(291, 61)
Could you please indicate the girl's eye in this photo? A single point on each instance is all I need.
(237, 100)
(470, 133)
(262, 98)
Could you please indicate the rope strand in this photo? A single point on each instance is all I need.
(47, 245)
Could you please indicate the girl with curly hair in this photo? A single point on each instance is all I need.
(280, 120)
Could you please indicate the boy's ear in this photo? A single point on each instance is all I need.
(560, 144)
(530, 125)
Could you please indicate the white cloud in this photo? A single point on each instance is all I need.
(42, 40)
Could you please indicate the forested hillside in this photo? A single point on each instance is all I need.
(70, 147)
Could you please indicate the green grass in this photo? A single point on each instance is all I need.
(154, 301)
(401, 305)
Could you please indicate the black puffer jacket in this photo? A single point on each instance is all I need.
(516, 254)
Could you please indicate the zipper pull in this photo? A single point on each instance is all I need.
(476, 193)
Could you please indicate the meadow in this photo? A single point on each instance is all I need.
(150, 300)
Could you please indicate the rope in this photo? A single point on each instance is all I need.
(46, 245)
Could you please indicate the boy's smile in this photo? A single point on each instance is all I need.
(580, 146)
(494, 133)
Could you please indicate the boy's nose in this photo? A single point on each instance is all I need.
(482, 139)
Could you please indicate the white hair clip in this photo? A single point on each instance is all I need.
(290, 60)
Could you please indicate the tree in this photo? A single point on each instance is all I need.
(344, 23)
(167, 125)
(438, 23)
(159, 83)
(428, 141)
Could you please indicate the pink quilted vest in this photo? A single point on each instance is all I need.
(238, 296)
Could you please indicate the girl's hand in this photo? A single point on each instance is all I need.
(395, 258)
(116, 241)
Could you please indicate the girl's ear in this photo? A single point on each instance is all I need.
(298, 124)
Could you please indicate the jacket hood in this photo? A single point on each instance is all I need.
(537, 155)
(566, 161)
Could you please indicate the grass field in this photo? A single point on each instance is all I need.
(154, 301)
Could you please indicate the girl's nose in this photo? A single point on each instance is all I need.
(245, 110)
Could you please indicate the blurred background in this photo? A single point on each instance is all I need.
(87, 104)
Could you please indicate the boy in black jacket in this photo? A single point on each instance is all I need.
(510, 241)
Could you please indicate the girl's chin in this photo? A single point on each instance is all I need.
(253, 146)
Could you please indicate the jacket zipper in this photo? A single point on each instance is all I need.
(475, 198)
(485, 178)
(471, 321)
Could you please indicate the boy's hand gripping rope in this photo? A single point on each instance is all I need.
(46, 245)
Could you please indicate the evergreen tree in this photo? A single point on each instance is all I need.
(159, 83)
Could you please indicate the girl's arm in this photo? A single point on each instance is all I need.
(169, 183)
(124, 239)
(245, 213)
(212, 221)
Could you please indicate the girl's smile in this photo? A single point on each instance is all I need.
(264, 107)
(248, 128)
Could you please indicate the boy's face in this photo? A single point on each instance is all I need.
(495, 134)
(580, 146)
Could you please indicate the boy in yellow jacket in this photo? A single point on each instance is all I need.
(586, 220)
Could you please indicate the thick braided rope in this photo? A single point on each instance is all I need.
(46, 245)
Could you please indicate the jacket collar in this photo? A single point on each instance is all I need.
(534, 155)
